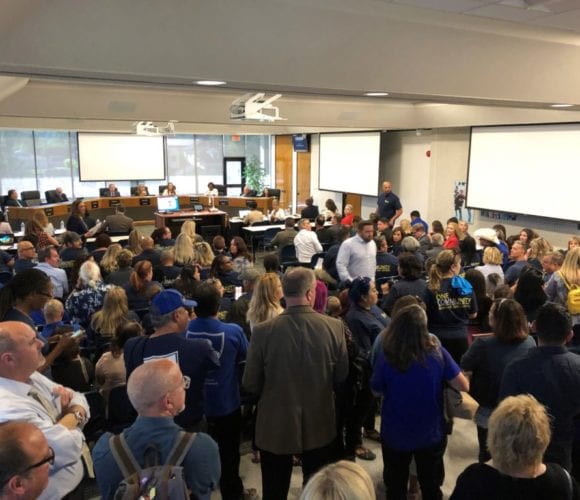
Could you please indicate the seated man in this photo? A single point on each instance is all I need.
(157, 391)
(255, 215)
(12, 200)
(48, 263)
(286, 236)
(118, 222)
(26, 256)
(148, 252)
(25, 459)
(112, 191)
(72, 248)
(56, 196)
(247, 192)
(58, 412)
(306, 242)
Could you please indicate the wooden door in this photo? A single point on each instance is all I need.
(302, 178)
(283, 160)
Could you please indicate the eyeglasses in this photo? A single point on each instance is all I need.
(47, 460)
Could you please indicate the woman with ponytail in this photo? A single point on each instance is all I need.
(140, 282)
(450, 303)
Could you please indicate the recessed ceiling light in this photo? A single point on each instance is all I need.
(210, 83)
(376, 94)
(561, 105)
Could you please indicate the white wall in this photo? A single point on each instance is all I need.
(427, 184)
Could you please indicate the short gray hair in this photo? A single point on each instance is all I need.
(149, 382)
(297, 281)
(410, 244)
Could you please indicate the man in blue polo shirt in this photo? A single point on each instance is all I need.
(222, 387)
(388, 204)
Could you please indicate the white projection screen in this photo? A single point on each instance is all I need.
(528, 169)
(120, 157)
(349, 163)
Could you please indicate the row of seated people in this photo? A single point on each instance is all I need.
(266, 302)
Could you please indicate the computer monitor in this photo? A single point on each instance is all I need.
(167, 203)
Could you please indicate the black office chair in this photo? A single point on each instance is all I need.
(162, 188)
(103, 192)
(50, 196)
(120, 411)
(288, 256)
(221, 189)
(273, 192)
(268, 237)
(134, 191)
(95, 427)
(209, 232)
(30, 198)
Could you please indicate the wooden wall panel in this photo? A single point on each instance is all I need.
(355, 200)
(302, 177)
(283, 160)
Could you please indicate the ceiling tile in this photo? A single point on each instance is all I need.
(507, 13)
(445, 5)
(568, 21)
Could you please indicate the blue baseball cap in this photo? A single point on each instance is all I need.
(168, 301)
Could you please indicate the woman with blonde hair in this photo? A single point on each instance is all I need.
(40, 217)
(492, 261)
(134, 243)
(204, 256)
(574, 242)
(343, 480)
(451, 303)
(184, 254)
(265, 301)
(34, 232)
(188, 227)
(564, 280)
(406, 227)
(538, 248)
(519, 434)
(170, 190)
(453, 236)
(109, 263)
(115, 312)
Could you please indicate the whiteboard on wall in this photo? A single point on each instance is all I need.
(349, 163)
(529, 169)
(120, 157)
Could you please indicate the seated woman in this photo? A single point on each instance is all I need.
(137, 289)
(242, 258)
(539, 247)
(519, 433)
(142, 190)
(487, 358)
(122, 272)
(34, 232)
(412, 363)
(396, 240)
(102, 242)
(170, 190)
(134, 243)
(204, 256)
(188, 281)
(40, 217)
(222, 268)
(277, 214)
(188, 227)
(211, 190)
(108, 263)
(76, 221)
(88, 295)
(110, 369)
(184, 254)
(115, 312)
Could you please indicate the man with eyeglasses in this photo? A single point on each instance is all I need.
(157, 391)
(59, 412)
(25, 458)
(26, 256)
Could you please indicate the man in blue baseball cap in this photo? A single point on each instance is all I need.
(170, 316)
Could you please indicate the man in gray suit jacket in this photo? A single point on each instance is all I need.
(119, 222)
(293, 363)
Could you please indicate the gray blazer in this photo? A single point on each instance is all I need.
(293, 363)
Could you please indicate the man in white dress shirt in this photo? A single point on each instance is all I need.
(57, 411)
(306, 242)
(357, 256)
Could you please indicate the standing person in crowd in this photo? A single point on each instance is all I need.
(196, 358)
(487, 358)
(414, 364)
(560, 391)
(529, 292)
(239, 308)
(397, 238)
(519, 433)
(479, 324)
(310, 211)
(222, 387)
(492, 260)
(265, 301)
(453, 236)
(386, 263)
(330, 209)
(551, 262)
(562, 283)
(526, 236)
(306, 242)
(450, 303)
(357, 256)
(76, 221)
(388, 204)
(299, 394)
(416, 219)
(519, 261)
(157, 391)
(347, 220)
(411, 282)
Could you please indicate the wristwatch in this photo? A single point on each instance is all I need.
(81, 419)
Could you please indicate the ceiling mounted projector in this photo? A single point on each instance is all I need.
(151, 130)
(255, 107)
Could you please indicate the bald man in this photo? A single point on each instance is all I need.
(25, 458)
(157, 391)
(58, 412)
(389, 204)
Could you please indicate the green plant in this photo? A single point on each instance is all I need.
(254, 174)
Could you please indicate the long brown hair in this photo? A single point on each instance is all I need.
(508, 321)
(138, 278)
(407, 339)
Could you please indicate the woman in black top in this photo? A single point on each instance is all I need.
(76, 221)
(519, 433)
